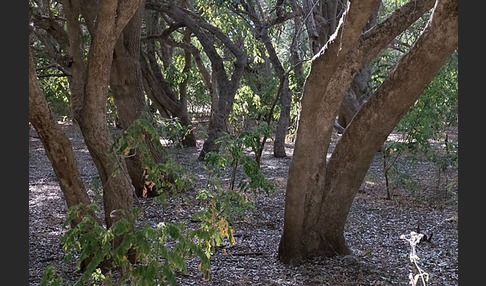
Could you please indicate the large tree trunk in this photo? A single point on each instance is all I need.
(319, 193)
(126, 82)
(323, 92)
(57, 146)
(89, 94)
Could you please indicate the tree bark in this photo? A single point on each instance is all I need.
(323, 92)
(127, 88)
(58, 147)
(89, 94)
(319, 193)
(360, 86)
(377, 118)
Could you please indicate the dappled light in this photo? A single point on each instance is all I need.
(243, 142)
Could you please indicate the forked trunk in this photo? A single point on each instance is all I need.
(322, 96)
(320, 193)
(89, 94)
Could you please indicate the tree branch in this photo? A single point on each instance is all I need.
(378, 37)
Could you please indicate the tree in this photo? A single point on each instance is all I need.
(321, 22)
(128, 92)
(226, 86)
(58, 147)
(262, 22)
(168, 101)
(320, 192)
(89, 91)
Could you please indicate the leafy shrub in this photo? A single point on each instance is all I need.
(173, 131)
(232, 155)
(161, 251)
(423, 128)
(166, 176)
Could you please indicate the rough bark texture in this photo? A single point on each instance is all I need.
(377, 118)
(127, 88)
(360, 86)
(323, 92)
(89, 93)
(58, 147)
(320, 193)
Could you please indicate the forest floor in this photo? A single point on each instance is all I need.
(373, 228)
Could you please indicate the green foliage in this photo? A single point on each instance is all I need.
(435, 111)
(168, 177)
(232, 155)
(424, 128)
(198, 97)
(161, 251)
(253, 100)
(49, 277)
(227, 204)
(56, 91)
(172, 130)
(252, 138)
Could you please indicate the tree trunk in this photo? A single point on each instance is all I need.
(126, 85)
(284, 120)
(295, 57)
(159, 90)
(323, 92)
(319, 193)
(57, 146)
(227, 87)
(360, 86)
(89, 95)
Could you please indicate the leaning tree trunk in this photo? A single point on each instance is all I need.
(377, 118)
(227, 87)
(321, 98)
(57, 146)
(89, 95)
(159, 90)
(360, 86)
(319, 193)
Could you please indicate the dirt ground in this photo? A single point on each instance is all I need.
(373, 229)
